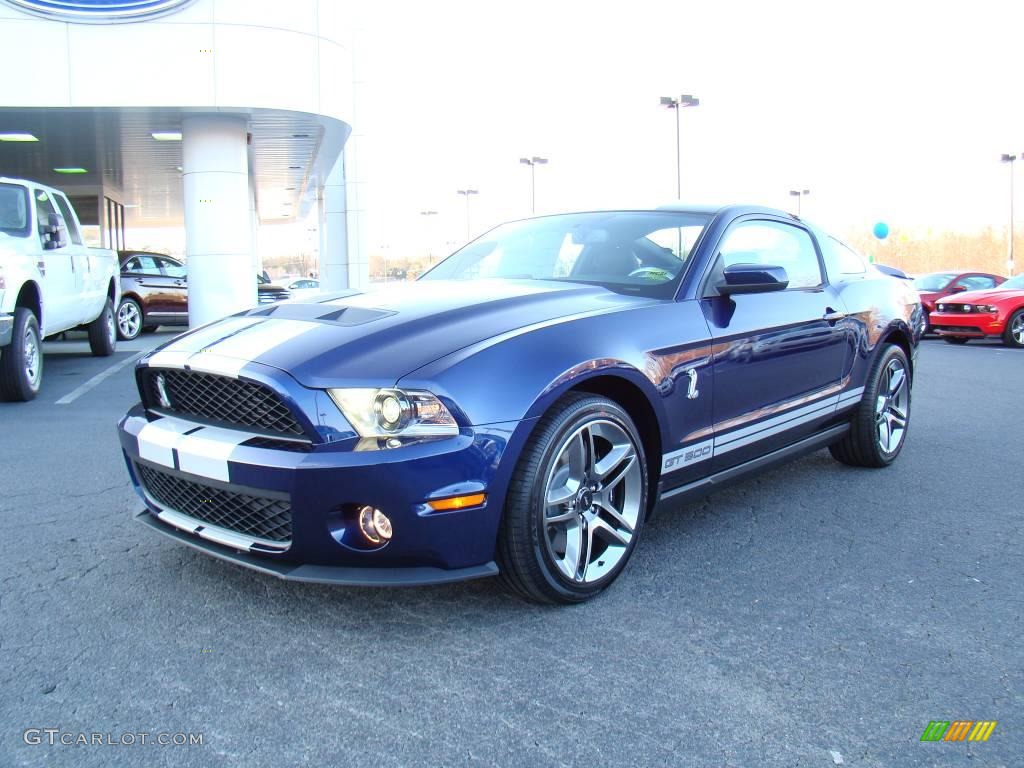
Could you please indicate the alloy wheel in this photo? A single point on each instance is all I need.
(1017, 329)
(592, 500)
(128, 319)
(892, 407)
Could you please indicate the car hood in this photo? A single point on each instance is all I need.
(377, 337)
(987, 296)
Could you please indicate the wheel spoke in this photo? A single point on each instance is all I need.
(564, 493)
(583, 559)
(570, 561)
(896, 420)
(884, 435)
(615, 476)
(610, 534)
(897, 380)
(606, 506)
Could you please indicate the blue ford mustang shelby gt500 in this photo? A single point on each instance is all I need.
(524, 406)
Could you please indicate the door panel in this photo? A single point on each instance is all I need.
(60, 290)
(175, 289)
(779, 356)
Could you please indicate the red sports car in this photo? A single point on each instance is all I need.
(938, 285)
(976, 314)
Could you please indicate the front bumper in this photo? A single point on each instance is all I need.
(6, 329)
(969, 324)
(322, 486)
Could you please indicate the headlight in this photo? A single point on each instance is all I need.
(940, 307)
(986, 308)
(394, 412)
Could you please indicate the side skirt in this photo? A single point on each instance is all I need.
(668, 500)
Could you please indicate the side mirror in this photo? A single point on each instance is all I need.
(752, 278)
(959, 288)
(54, 231)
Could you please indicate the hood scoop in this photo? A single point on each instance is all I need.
(349, 316)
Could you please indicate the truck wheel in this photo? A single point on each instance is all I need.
(103, 332)
(129, 319)
(21, 362)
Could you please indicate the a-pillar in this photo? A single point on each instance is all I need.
(218, 225)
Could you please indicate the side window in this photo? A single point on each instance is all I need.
(69, 220)
(44, 207)
(172, 268)
(976, 282)
(841, 261)
(775, 243)
(142, 265)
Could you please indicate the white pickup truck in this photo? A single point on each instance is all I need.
(50, 282)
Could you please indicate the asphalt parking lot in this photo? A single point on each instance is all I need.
(813, 610)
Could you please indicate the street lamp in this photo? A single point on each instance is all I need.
(677, 104)
(533, 162)
(467, 193)
(1010, 160)
(799, 195)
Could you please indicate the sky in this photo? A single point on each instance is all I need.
(895, 111)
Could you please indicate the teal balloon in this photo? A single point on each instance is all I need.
(881, 230)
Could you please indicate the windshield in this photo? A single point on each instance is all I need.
(637, 252)
(14, 219)
(935, 282)
(1014, 283)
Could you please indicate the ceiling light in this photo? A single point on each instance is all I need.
(70, 170)
(166, 135)
(17, 137)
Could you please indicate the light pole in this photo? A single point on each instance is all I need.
(799, 195)
(467, 193)
(533, 162)
(1009, 159)
(430, 249)
(677, 104)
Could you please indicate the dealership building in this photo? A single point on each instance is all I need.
(219, 116)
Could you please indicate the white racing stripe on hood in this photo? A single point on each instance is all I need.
(177, 353)
(226, 347)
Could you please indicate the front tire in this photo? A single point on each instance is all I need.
(21, 361)
(576, 502)
(103, 332)
(878, 428)
(1013, 336)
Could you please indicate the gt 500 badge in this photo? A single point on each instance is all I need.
(689, 455)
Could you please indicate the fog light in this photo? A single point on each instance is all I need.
(375, 525)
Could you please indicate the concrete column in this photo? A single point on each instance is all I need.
(333, 225)
(218, 228)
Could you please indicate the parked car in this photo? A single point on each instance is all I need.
(154, 290)
(937, 285)
(976, 314)
(50, 282)
(526, 404)
(303, 286)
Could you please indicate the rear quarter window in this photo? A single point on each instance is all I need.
(841, 261)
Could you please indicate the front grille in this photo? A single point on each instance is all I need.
(957, 309)
(261, 518)
(221, 398)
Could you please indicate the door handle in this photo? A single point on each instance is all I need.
(831, 316)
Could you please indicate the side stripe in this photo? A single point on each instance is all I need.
(738, 438)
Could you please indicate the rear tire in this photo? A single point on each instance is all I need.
(1013, 336)
(103, 332)
(576, 502)
(878, 428)
(21, 361)
(956, 339)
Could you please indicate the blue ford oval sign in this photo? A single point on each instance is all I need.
(99, 11)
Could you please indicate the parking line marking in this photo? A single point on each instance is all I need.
(76, 393)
